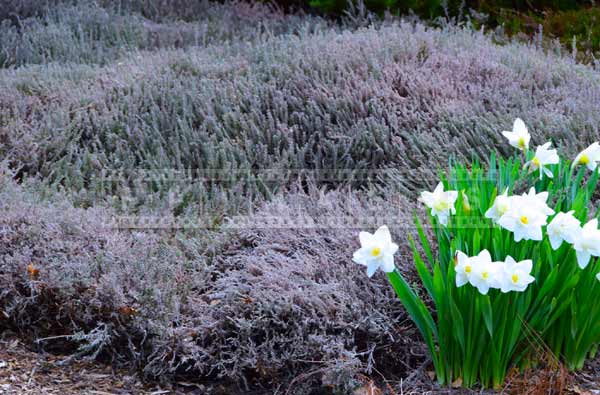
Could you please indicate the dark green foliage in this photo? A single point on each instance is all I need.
(570, 21)
(435, 8)
(577, 28)
(424, 8)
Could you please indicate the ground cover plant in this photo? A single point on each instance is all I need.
(114, 113)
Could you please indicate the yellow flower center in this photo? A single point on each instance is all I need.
(536, 161)
(524, 220)
(441, 205)
(515, 278)
(376, 251)
(502, 208)
(587, 245)
(485, 275)
(468, 269)
(522, 142)
(584, 160)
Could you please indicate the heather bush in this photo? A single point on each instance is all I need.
(289, 288)
(85, 32)
(374, 98)
(67, 273)
(15, 10)
(256, 305)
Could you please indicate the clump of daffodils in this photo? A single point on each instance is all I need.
(530, 265)
(483, 274)
(524, 215)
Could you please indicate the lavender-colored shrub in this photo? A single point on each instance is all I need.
(89, 32)
(65, 272)
(401, 96)
(292, 299)
(268, 307)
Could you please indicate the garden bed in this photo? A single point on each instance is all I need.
(241, 303)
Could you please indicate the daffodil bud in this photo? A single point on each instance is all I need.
(465, 203)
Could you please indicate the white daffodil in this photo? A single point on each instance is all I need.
(564, 227)
(519, 137)
(463, 268)
(484, 272)
(440, 202)
(587, 243)
(543, 157)
(524, 219)
(376, 251)
(589, 157)
(538, 200)
(598, 276)
(500, 207)
(515, 275)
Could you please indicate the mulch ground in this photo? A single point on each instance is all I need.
(24, 372)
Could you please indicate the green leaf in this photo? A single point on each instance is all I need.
(416, 309)
(486, 310)
(424, 241)
(458, 323)
(422, 270)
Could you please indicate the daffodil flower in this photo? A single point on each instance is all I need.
(515, 275)
(500, 207)
(463, 268)
(519, 137)
(589, 157)
(440, 202)
(538, 200)
(543, 157)
(587, 243)
(376, 251)
(524, 219)
(564, 227)
(484, 272)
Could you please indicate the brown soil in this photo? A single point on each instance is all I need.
(24, 372)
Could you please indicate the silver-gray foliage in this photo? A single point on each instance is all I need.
(254, 308)
(400, 96)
